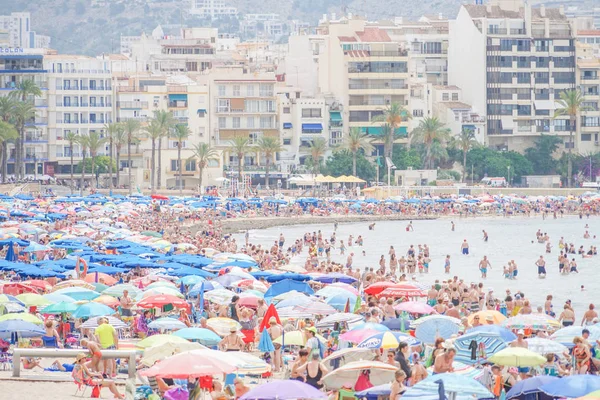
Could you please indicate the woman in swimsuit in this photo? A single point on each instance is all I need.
(314, 372)
(582, 356)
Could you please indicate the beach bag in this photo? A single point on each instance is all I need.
(95, 392)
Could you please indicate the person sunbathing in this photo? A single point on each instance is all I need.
(83, 375)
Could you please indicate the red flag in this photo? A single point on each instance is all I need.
(271, 312)
(347, 307)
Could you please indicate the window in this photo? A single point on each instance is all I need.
(236, 90)
(287, 142)
(417, 113)
(586, 137)
(254, 136)
(266, 89)
(252, 106)
(237, 122)
(223, 105)
(590, 121)
(445, 96)
(286, 110)
(523, 77)
(174, 165)
(311, 113)
(250, 90)
(222, 90)
(213, 163)
(222, 122)
(250, 122)
(265, 122)
(454, 96)
(190, 165)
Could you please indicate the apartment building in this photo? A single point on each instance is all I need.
(28, 64)
(448, 106)
(213, 9)
(20, 35)
(244, 104)
(588, 83)
(365, 69)
(80, 100)
(513, 61)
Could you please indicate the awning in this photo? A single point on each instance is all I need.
(287, 125)
(544, 104)
(507, 122)
(335, 116)
(201, 111)
(378, 130)
(175, 97)
(312, 128)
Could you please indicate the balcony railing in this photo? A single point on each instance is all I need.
(132, 104)
(61, 154)
(497, 31)
(370, 102)
(388, 53)
(84, 71)
(178, 104)
(140, 119)
(37, 121)
(36, 138)
(377, 86)
(589, 77)
(131, 89)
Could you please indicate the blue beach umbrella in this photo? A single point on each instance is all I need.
(288, 285)
(265, 344)
(201, 335)
(397, 324)
(476, 347)
(22, 328)
(191, 280)
(461, 385)
(387, 340)
(78, 293)
(339, 300)
(370, 326)
(504, 333)
(10, 253)
(431, 329)
(572, 386)
(523, 389)
(89, 310)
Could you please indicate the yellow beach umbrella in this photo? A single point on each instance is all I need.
(517, 357)
(484, 315)
(156, 340)
(33, 299)
(23, 317)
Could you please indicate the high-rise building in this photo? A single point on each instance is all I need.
(213, 9)
(18, 26)
(513, 61)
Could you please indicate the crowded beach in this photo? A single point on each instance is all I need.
(150, 298)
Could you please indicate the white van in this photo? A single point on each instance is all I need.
(494, 182)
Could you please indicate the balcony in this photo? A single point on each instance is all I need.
(494, 30)
(125, 119)
(589, 77)
(389, 53)
(98, 105)
(134, 105)
(178, 104)
(100, 88)
(32, 138)
(60, 87)
(131, 89)
(41, 103)
(66, 154)
(37, 121)
(377, 86)
(177, 89)
(39, 156)
(435, 69)
(84, 71)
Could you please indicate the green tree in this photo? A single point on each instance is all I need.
(71, 138)
(180, 133)
(101, 165)
(166, 121)
(269, 146)
(23, 112)
(132, 128)
(404, 158)
(7, 133)
(570, 104)
(343, 162)
(113, 130)
(119, 139)
(388, 137)
(25, 92)
(94, 143)
(203, 153)
(83, 141)
(357, 141)
(240, 146)
(492, 163)
(541, 155)
(431, 132)
(7, 107)
(153, 131)
(317, 150)
(393, 116)
(464, 142)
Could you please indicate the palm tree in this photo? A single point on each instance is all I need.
(570, 104)
(23, 91)
(95, 142)
(203, 153)
(393, 115)
(239, 145)
(112, 131)
(153, 131)
(317, 149)
(356, 141)
(465, 141)
(23, 112)
(132, 127)
(430, 130)
(83, 141)
(7, 107)
(181, 133)
(166, 122)
(388, 137)
(7, 133)
(119, 139)
(72, 138)
(269, 146)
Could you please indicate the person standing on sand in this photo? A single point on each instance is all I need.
(464, 248)
(541, 265)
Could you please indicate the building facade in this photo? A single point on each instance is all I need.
(20, 35)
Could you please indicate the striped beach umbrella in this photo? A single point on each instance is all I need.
(476, 347)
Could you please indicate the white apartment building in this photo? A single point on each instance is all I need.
(588, 83)
(18, 26)
(363, 68)
(513, 61)
(80, 98)
(213, 9)
(448, 106)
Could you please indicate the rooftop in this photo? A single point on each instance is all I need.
(373, 35)
(456, 105)
(595, 32)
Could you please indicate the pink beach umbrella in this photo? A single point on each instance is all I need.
(415, 307)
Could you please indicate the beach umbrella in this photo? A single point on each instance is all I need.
(92, 323)
(246, 363)
(370, 326)
(387, 340)
(57, 298)
(99, 287)
(99, 277)
(78, 293)
(165, 284)
(476, 347)
(167, 323)
(193, 363)
(252, 284)
(517, 357)
(504, 333)
(91, 310)
(205, 286)
(590, 396)
(283, 390)
(545, 346)
(219, 296)
(171, 291)
(344, 356)
(530, 386)
(497, 316)
(270, 313)
(33, 299)
(10, 253)
(159, 339)
(572, 386)
(378, 287)
(432, 329)
(340, 377)
(72, 283)
(436, 317)
(332, 319)
(339, 301)
(6, 298)
(293, 301)
(159, 301)
(403, 290)
(223, 325)
(374, 392)
(414, 307)
(315, 307)
(397, 324)
(117, 290)
(265, 344)
(201, 335)
(21, 317)
(453, 383)
(61, 307)
(286, 286)
(189, 280)
(39, 283)
(358, 335)
(24, 329)
(463, 369)
(167, 349)
(566, 335)
(295, 338)
(107, 300)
